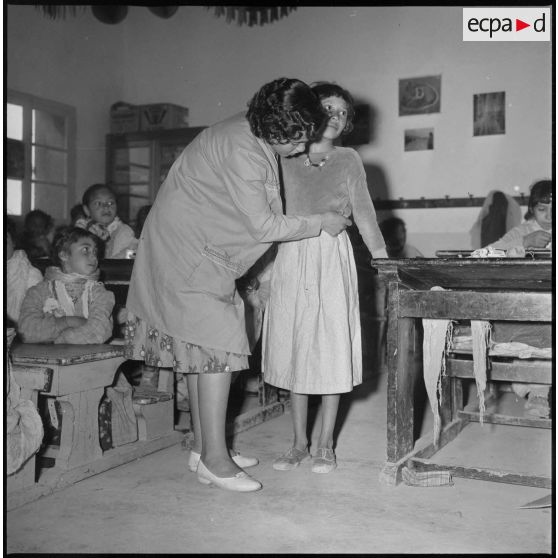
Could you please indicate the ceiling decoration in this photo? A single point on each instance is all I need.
(115, 13)
(252, 15)
(163, 11)
(59, 12)
(110, 14)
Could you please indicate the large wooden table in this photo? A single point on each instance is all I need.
(479, 289)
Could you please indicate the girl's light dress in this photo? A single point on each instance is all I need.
(311, 338)
(216, 213)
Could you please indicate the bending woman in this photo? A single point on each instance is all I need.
(216, 213)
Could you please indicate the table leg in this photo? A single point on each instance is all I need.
(403, 342)
(79, 438)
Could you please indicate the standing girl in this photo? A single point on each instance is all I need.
(216, 213)
(312, 342)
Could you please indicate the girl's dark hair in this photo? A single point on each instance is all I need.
(37, 223)
(390, 225)
(284, 110)
(541, 192)
(93, 189)
(325, 89)
(67, 236)
(11, 228)
(77, 212)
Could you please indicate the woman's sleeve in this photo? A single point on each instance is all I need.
(34, 326)
(364, 213)
(98, 327)
(244, 176)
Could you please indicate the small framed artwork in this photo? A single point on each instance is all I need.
(420, 95)
(419, 139)
(489, 113)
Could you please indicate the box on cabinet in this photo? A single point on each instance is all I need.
(163, 116)
(124, 118)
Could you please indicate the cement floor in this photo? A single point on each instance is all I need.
(154, 505)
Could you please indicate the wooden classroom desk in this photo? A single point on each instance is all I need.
(80, 375)
(479, 289)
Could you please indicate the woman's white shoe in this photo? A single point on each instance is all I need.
(241, 460)
(241, 482)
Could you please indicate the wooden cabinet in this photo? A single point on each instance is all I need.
(138, 162)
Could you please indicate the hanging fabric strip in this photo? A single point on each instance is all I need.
(437, 335)
(480, 331)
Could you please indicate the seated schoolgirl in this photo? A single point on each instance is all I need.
(70, 305)
(38, 231)
(536, 231)
(99, 206)
(20, 274)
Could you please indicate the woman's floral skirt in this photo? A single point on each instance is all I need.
(156, 348)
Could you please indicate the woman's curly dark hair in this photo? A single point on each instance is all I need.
(541, 192)
(67, 236)
(325, 89)
(284, 110)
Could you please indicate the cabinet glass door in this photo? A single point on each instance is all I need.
(168, 153)
(131, 178)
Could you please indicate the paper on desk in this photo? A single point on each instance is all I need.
(544, 502)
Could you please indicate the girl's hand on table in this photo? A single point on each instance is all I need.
(537, 239)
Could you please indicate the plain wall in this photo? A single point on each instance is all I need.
(213, 67)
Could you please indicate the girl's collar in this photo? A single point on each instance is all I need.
(54, 273)
(114, 225)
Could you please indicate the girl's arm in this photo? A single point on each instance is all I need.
(98, 326)
(34, 326)
(123, 240)
(512, 239)
(364, 213)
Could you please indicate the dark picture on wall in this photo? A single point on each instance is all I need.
(419, 139)
(489, 113)
(419, 95)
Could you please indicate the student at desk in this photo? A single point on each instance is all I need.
(534, 233)
(394, 232)
(99, 206)
(70, 305)
(20, 274)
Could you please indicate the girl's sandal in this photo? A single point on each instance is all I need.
(293, 458)
(324, 461)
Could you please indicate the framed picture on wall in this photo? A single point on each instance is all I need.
(420, 139)
(420, 95)
(489, 113)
